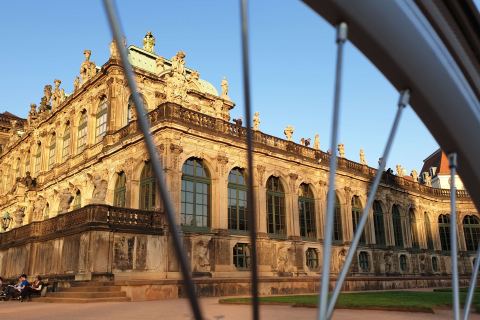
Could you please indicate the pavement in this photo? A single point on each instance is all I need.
(179, 309)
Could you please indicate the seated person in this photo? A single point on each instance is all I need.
(14, 291)
(35, 288)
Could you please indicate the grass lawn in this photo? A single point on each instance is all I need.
(420, 301)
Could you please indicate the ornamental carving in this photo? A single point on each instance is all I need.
(38, 208)
(58, 95)
(99, 187)
(201, 255)
(87, 68)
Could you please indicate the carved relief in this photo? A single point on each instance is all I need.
(201, 257)
(100, 187)
(38, 208)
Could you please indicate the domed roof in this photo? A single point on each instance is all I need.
(207, 87)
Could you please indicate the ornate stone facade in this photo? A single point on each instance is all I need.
(78, 176)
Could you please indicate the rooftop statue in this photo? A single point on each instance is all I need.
(47, 92)
(149, 42)
(341, 150)
(87, 69)
(32, 114)
(362, 157)
(178, 63)
(43, 105)
(114, 53)
(414, 175)
(400, 170)
(224, 86)
(316, 142)
(289, 132)
(58, 94)
(76, 84)
(256, 121)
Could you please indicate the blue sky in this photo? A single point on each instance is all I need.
(292, 51)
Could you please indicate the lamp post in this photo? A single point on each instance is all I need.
(6, 220)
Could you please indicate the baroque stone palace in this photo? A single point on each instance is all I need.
(79, 200)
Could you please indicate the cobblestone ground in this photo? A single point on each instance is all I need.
(179, 309)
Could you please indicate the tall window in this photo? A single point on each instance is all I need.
(306, 207)
(403, 263)
(471, 231)
(237, 200)
(52, 151)
(337, 221)
(82, 132)
(428, 231)
(241, 256)
(363, 261)
(356, 213)
(38, 159)
(397, 226)
(195, 194)
(413, 228)
(378, 223)
(275, 207)
(77, 200)
(101, 127)
(147, 188)
(66, 143)
(120, 189)
(444, 231)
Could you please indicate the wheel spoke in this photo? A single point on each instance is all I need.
(452, 159)
(473, 284)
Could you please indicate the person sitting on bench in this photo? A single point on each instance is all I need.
(35, 288)
(15, 291)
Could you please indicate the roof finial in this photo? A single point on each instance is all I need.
(149, 42)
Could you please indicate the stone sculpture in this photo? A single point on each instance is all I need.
(149, 42)
(414, 175)
(201, 254)
(362, 157)
(400, 170)
(47, 92)
(58, 94)
(427, 179)
(224, 86)
(76, 84)
(100, 187)
(178, 63)
(256, 121)
(341, 150)
(38, 208)
(316, 142)
(87, 68)
(289, 132)
(18, 216)
(65, 196)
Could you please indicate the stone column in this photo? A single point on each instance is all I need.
(220, 195)
(291, 209)
(347, 216)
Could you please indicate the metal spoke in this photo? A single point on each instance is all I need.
(342, 30)
(154, 159)
(402, 103)
(473, 285)
(250, 193)
(452, 159)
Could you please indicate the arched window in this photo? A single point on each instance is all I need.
(444, 231)
(363, 261)
(148, 188)
(77, 200)
(66, 143)
(120, 189)
(356, 213)
(397, 226)
(38, 159)
(241, 256)
(337, 221)
(306, 208)
(413, 228)
(471, 231)
(275, 207)
(195, 194)
(378, 223)
(403, 263)
(101, 126)
(131, 111)
(82, 132)
(52, 151)
(27, 162)
(237, 200)
(428, 231)
(311, 256)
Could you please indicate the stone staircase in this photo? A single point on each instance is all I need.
(86, 292)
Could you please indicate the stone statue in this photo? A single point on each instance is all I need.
(149, 42)
(58, 94)
(160, 63)
(400, 170)
(238, 122)
(32, 114)
(100, 187)
(224, 86)
(114, 50)
(341, 150)
(43, 105)
(28, 181)
(87, 69)
(282, 259)
(47, 92)
(388, 262)
(76, 84)
(289, 132)
(362, 157)
(306, 142)
(341, 258)
(414, 175)
(178, 63)
(38, 208)
(316, 142)
(201, 254)
(66, 199)
(427, 179)
(18, 216)
(194, 76)
(256, 121)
